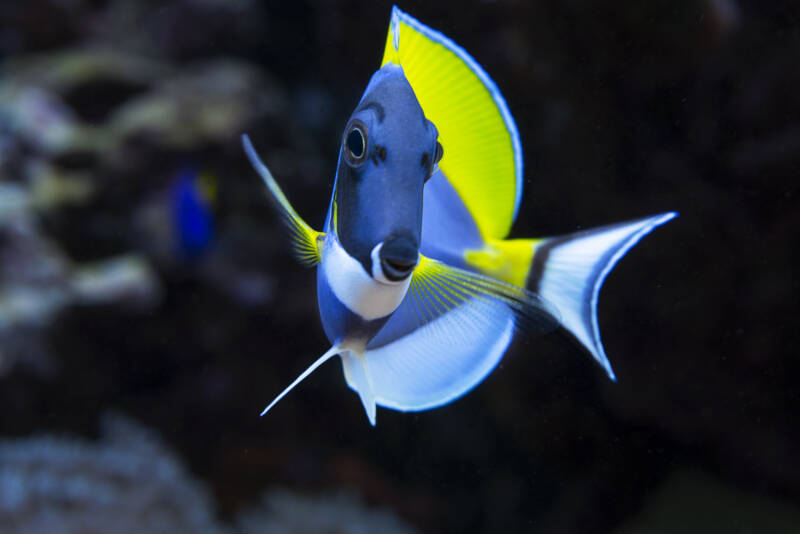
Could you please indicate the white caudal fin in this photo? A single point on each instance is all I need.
(358, 378)
(568, 272)
(333, 351)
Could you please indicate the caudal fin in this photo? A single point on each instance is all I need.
(568, 272)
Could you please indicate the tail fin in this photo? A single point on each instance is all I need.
(568, 272)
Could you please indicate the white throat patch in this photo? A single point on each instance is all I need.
(355, 288)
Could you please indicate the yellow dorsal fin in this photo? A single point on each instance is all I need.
(482, 154)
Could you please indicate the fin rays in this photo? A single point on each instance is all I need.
(443, 359)
(441, 288)
(304, 238)
(480, 139)
(448, 334)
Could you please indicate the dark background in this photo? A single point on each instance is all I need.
(624, 109)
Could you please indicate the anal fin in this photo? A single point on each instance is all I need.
(356, 372)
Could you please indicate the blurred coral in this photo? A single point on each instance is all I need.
(94, 99)
(130, 482)
(341, 512)
(127, 482)
(37, 281)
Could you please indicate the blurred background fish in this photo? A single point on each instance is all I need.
(192, 199)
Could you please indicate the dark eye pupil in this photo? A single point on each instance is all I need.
(355, 143)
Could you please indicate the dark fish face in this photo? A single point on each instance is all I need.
(389, 149)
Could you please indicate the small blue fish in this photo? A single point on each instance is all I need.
(419, 291)
(192, 195)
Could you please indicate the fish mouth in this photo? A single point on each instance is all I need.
(396, 270)
(398, 257)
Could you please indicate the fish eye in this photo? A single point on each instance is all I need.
(439, 152)
(355, 143)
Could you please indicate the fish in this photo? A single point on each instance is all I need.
(420, 292)
(192, 196)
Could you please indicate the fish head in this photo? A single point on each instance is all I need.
(389, 150)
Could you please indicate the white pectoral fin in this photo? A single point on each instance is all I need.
(572, 269)
(333, 351)
(449, 333)
(305, 240)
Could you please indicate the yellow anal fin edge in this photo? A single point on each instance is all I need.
(506, 260)
(482, 151)
(305, 240)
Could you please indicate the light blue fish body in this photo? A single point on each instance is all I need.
(419, 292)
